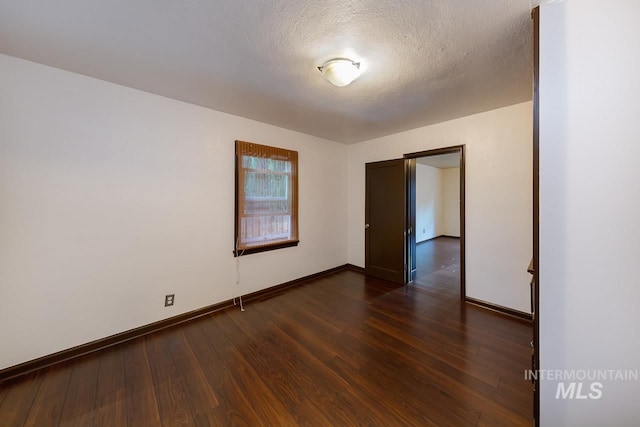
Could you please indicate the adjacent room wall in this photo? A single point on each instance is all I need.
(437, 202)
(451, 202)
(498, 196)
(429, 207)
(111, 198)
(589, 209)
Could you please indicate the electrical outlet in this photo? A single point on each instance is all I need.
(168, 300)
(424, 230)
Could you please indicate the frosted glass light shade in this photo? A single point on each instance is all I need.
(340, 72)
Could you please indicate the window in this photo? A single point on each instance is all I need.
(266, 198)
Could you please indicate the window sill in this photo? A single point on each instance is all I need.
(265, 248)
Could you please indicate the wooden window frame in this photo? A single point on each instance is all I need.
(244, 148)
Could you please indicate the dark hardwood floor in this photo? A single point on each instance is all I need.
(337, 351)
(438, 266)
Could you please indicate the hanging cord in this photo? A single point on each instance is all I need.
(238, 277)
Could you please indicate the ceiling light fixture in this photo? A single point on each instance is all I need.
(340, 72)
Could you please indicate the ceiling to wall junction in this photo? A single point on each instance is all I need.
(423, 62)
(441, 161)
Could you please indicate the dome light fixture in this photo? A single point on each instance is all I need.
(340, 71)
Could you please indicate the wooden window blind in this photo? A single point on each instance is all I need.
(266, 198)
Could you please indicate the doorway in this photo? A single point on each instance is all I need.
(436, 221)
(392, 228)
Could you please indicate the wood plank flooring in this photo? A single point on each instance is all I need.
(341, 350)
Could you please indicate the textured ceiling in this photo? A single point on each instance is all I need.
(423, 61)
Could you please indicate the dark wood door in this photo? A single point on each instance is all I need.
(385, 221)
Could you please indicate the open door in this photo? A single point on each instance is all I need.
(386, 221)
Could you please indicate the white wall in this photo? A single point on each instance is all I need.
(111, 198)
(498, 196)
(429, 206)
(451, 202)
(437, 202)
(590, 205)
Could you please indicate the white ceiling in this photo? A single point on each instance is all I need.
(441, 161)
(423, 61)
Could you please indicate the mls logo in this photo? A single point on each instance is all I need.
(573, 390)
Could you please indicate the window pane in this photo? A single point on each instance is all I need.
(265, 229)
(253, 162)
(266, 186)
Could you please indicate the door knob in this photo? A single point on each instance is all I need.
(366, 226)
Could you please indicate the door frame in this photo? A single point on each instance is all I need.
(410, 210)
(535, 16)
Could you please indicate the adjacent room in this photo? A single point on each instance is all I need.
(438, 221)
